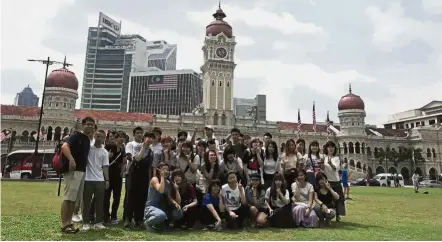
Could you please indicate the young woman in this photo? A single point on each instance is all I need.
(271, 163)
(303, 198)
(230, 162)
(211, 168)
(234, 201)
(300, 146)
(278, 203)
(158, 208)
(290, 161)
(312, 164)
(169, 156)
(253, 160)
(212, 208)
(325, 199)
(186, 197)
(188, 162)
(330, 166)
(255, 197)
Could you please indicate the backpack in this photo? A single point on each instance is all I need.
(59, 162)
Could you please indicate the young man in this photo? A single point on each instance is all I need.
(96, 181)
(76, 151)
(415, 178)
(267, 138)
(137, 180)
(117, 157)
(210, 136)
(237, 145)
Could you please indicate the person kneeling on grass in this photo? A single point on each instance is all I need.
(255, 196)
(278, 202)
(212, 208)
(185, 195)
(96, 181)
(160, 207)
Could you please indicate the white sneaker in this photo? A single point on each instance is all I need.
(99, 226)
(77, 218)
(86, 227)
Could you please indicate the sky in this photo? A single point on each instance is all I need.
(294, 51)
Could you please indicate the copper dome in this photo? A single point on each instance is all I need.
(62, 78)
(351, 101)
(219, 25)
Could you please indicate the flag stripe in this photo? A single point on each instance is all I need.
(299, 121)
(314, 118)
(168, 82)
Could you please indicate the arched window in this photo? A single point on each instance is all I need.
(223, 119)
(434, 153)
(215, 119)
(213, 82)
(369, 151)
(49, 135)
(25, 136)
(220, 83)
(345, 148)
(428, 153)
(228, 84)
(57, 133)
(358, 148)
(376, 152)
(351, 148)
(363, 148)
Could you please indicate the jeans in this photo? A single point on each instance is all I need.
(322, 215)
(155, 216)
(96, 189)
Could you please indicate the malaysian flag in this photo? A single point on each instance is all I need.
(328, 125)
(167, 82)
(299, 122)
(314, 118)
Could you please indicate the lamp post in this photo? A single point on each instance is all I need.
(47, 62)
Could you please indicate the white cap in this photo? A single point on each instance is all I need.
(209, 127)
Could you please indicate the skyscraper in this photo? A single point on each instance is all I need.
(161, 55)
(110, 58)
(165, 92)
(26, 98)
(244, 107)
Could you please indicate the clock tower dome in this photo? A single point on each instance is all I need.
(217, 70)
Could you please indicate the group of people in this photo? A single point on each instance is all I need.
(176, 184)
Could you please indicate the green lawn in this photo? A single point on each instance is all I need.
(30, 211)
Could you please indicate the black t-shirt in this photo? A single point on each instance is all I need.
(79, 144)
(116, 162)
(327, 199)
(239, 149)
(250, 160)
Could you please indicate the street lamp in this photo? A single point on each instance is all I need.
(47, 62)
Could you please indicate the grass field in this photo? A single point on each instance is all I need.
(30, 211)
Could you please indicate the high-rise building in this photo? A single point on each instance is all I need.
(255, 107)
(26, 98)
(165, 92)
(110, 58)
(161, 55)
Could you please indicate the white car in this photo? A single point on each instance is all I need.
(382, 178)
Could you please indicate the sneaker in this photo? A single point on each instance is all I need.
(77, 218)
(99, 226)
(86, 227)
(114, 221)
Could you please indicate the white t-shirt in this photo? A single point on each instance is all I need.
(270, 165)
(304, 192)
(97, 159)
(231, 197)
(182, 165)
(133, 148)
(278, 203)
(332, 175)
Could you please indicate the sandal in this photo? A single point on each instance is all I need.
(70, 229)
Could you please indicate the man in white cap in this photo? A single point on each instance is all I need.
(210, 136)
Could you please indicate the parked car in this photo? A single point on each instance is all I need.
(363, 182)
(384, 177)
(431, 183)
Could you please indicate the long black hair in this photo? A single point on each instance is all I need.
(275, 150)
(277, 177)
(330, 144)
(208, 164)
(319, 176)
(215, 182)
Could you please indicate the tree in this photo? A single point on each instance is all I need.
(405, 154)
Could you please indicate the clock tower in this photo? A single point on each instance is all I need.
(217, 70)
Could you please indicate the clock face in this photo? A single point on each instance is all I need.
(221, 52)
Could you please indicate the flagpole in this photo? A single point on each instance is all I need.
(314, 120)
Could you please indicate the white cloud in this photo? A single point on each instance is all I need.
(284, 22)
(244, 41)
(432, 6)
(392, 29)
(280, 45)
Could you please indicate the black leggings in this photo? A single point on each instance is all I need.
(206, 217)
(238, 222)
(136, 196)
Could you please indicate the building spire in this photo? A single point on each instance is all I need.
(219, 4)
(64, 62)
(349, 87)
(219, 14)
